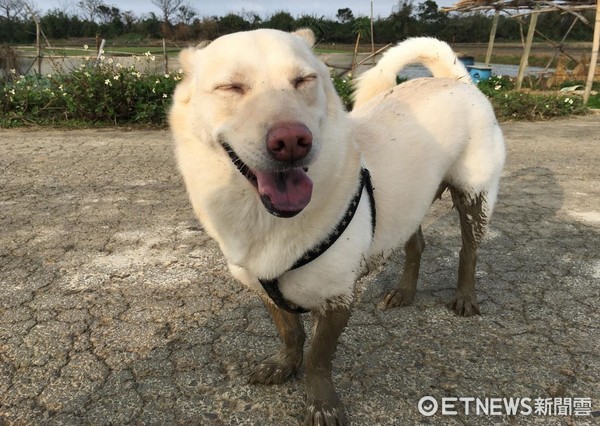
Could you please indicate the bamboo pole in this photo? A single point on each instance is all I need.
(594, 58)
(355, 53)
(528, 42)
(488, 55)
(165, 56)
(558, 47)
(100, 52)
(372, 38)
(38, 46)
(377, 52)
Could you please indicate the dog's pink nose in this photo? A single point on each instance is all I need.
(289, 141)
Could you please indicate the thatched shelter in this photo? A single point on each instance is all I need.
(520, 8)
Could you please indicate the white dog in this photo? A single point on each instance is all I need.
(299, 193)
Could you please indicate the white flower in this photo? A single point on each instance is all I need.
(567, 100)
(107, 82)
(157, 82)
(147, 54)
(571, 101)
(547, 106)
(86, 47)
(60, 87)
(110, 61)
(13, 71)
(153, 58)
(153, 90)
(167, 75)
(12, 92)
(165, 95)
(497, 87)
(49, 75)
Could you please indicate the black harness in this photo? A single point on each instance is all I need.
(272, 286)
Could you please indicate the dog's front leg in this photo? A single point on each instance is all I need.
(323, 406)
(287, 360)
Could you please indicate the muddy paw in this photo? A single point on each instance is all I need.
(397, 297)
(464, 306)
(273, 371)
(325, 414)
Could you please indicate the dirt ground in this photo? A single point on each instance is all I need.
(116, 308)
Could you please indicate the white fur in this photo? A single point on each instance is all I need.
(436, 55)
(411, 138)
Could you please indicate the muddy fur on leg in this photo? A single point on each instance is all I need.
(472, 212)
(404, 293)
(323, 406)
(286, 362)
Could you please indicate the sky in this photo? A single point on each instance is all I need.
(264, 8)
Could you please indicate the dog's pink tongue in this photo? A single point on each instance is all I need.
(288, 191)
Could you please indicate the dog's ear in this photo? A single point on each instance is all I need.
(307, 35)
(186, 57)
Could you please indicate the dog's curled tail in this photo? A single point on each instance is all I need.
(434, 54)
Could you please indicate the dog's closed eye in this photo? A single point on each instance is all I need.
(231, 88)
(302, 80)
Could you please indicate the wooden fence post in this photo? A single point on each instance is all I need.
(38, 44)
(594, 58)
(488, 55)
(166, 57)
(528, 42)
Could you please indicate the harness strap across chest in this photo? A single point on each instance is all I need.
(272, 286)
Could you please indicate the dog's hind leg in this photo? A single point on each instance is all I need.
(473, 220)
(404, 293)
(286, 362)
(323, 406)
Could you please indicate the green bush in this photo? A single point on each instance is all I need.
(111, 94)
(510, 104)
(107, 93)
(345, 88)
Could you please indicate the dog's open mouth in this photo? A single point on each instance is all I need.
(284, 193)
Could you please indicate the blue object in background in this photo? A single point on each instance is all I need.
(467, 60)
(479, 73)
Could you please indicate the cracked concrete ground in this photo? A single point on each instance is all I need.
(116, 308)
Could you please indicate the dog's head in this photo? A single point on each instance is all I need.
(262, 98)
